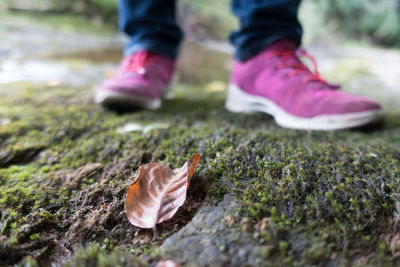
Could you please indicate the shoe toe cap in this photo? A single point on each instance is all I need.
(361, 104)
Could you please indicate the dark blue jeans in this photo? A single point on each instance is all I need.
(151, 25)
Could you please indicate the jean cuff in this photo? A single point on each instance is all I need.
(158, 47)
(243, 54)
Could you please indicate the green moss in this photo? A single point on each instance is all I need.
(341, 192)
(34, 236)
(29, 210)
(95, 256)
(333, 193)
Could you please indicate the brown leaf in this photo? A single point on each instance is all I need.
(158, 192)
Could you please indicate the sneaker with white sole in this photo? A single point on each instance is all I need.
(140, 82)
(278, 83)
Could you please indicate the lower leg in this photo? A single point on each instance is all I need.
(263, 22)
(151, 26)
(149, 61)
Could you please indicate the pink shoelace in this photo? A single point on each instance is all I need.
(138, 62)
(297, 67)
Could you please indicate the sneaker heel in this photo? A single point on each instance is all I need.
(235, 101)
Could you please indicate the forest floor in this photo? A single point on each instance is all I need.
(261, 195)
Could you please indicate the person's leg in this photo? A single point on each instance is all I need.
(150, 25)
(268, 75)
(263, 22)
(149, 62)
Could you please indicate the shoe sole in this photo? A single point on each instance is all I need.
(239, 102)
(120, 100)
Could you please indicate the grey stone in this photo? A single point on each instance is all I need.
(207, 241)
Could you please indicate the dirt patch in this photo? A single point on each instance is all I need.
(96, 214)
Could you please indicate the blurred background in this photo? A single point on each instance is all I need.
(72, 42)
(371, 21)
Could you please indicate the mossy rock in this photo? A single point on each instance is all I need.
(261, 195)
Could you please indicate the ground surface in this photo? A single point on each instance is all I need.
(261, 195)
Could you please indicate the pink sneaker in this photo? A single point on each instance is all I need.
(140, 82)
(276, 82)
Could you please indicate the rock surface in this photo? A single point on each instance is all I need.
(261, 195)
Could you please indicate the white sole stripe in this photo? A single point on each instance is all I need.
(239, 101)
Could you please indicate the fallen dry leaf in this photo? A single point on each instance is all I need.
(158, 192)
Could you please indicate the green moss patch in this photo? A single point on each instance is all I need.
(305, 197)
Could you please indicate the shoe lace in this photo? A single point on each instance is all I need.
(138, 62)
(297, 67)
